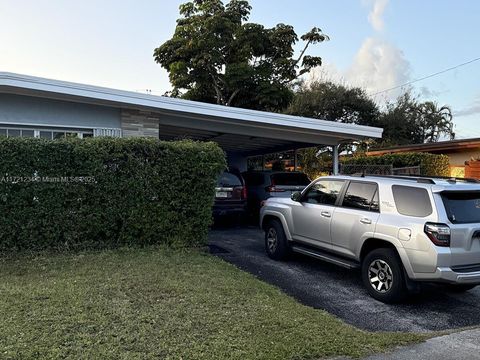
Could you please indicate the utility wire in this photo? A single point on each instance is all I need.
(426, 77)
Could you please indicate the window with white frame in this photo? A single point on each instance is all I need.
(44, 133)
(52, 133)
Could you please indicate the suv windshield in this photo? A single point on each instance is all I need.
(290, 179)
(462, 207)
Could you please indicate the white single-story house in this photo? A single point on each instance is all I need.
(45, 108)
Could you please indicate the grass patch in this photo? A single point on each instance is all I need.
(159, 303)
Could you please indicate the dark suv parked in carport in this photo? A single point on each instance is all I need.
(262, 185)
(230, 195)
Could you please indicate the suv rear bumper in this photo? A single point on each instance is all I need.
(447, 275)
(234, 208)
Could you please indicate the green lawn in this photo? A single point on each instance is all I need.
(158, 303)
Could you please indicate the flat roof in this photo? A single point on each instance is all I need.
(204, 121)
(440, 146)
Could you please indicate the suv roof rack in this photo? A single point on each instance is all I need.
(417, 178)
(452, 178)
(424, 179)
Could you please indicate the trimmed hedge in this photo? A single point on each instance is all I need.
(430, 164)
(105, 192)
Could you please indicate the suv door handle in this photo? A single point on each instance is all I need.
(365, 221)
(325, 214)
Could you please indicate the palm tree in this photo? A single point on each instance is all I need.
(435, 121)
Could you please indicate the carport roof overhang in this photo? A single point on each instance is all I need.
(238, 130)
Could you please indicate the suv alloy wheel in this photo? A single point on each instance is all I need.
(382, 275)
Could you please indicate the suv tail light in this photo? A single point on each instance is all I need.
(244, 192)
(439, 234)
(273, 189)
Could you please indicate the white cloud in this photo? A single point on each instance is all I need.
(375, 18)
(379, 65)
(472, 109)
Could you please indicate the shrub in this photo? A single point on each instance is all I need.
(134, 192)
(430, 164)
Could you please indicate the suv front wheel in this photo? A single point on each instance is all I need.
(382, 275)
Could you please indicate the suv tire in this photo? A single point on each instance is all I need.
(382, 275)
(276, 243)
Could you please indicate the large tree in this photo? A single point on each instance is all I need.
(334, 102)
(216, 56)
(326, 100)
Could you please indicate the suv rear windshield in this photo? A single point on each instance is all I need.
(229, 179)
(253, 178)
(412, 201)
(462, 207)
(290, 179)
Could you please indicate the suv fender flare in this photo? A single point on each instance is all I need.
(279, 216)
(400, 250)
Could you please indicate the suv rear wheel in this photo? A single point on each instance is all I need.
(276, 243)
(382, 275)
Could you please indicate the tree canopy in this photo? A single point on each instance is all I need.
(334, 102)
(215, 55)
(408, 121)
(405, 120)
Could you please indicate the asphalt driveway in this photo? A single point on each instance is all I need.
(340, 291)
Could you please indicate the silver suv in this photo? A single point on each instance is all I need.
(399, 230)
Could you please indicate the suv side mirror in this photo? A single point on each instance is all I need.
(296, 196)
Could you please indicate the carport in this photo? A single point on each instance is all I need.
(244, 133)
(37, 104)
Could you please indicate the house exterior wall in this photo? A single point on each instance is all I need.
(34, 111)
(459, 158)
(137, 123)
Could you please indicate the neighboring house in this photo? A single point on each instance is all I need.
(459, 152)
(45, 108)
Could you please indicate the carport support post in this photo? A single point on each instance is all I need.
(335, 159)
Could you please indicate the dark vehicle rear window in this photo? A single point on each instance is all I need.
(253, 179)
(290, 179)
(412, 201)
(229, 179)
(462, 207)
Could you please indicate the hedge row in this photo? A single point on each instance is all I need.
(105, 192)
(430, 164)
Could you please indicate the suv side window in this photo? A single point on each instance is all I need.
(361, 196)
(323, 192)
(412, 201)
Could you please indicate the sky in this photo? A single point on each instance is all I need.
(375, 44)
